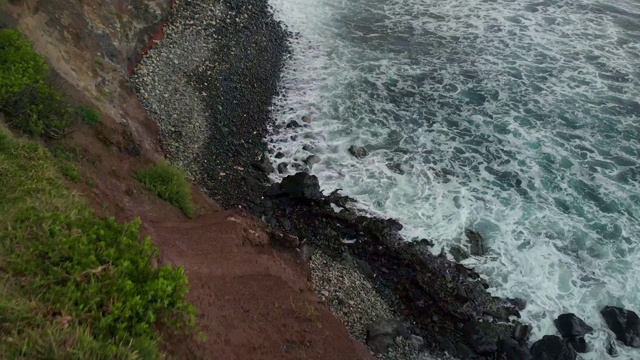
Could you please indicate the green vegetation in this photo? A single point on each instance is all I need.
(89, 115)
(73, 285)
(26, 94)
(169, 183)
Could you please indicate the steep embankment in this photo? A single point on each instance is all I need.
(252, 301)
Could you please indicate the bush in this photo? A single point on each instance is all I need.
(168, 182)
(74, 285)
(26, 95)
(89, 115)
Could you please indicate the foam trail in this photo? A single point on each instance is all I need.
(517, 119)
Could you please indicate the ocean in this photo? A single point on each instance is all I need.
(518, 119)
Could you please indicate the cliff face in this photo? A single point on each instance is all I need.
(93, 45)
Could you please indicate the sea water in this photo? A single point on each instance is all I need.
(518, 119)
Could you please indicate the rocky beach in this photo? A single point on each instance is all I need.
(210, 84)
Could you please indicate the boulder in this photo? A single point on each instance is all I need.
(358, 151)
(552, 347)
(458, 253)
(293, 124)
(263, 165)
(312, 160)
(509, 349)
(481, 342)
(282, 167)
(381, 334)
(307, 119)
(579, 344)
(301, 186)
(476, 243)
(571, 326)
(279, 155)
(625, 324)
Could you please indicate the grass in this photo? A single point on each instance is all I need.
(74, 285)
(169, 183)
(89, 115)
(27, 95)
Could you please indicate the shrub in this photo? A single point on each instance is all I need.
(89, 115)
(74, 285)
(26, 95)
(169, 183)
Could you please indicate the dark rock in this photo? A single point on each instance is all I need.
(301, 186)
(381, 334)
(279, 155)
(446, 345)
(458, 253)
(509, 349)
(312, 160)
(358, 151)
(293, 124)
(306, 119)
(274, 190)
(463, 352)
(476, 242)
(611, 346)
(522, 332)
(579, 344)
(285, 223)
(625, 324)
(307, 147)
(518, 303)
(282, 167)
(278, 239)
(480, 342)
(552, 347)
(365, 269)
(263, 165)
(570, 326)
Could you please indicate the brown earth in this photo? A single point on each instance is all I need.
(253, 301)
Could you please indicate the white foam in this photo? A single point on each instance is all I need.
(465, 98)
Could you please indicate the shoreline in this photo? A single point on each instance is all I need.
(210, 83)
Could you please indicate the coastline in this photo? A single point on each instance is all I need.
(210, 83)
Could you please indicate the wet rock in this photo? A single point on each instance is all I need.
(279, 155)
(569, 325)
(520, 304)
(552, 347)
(263, 165)
(476, 242)
(358, 151)
(282, 167)
(301, 186)
(481, 342)
(381, 335)
(458, 253)
(579, 344)
(312, 160)
(306, 119)
(509, 349)
(463, 352)
(293, 124)
(625, 324)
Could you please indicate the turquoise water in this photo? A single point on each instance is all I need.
(520, 120)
